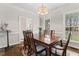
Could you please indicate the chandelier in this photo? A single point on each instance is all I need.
(42, 10)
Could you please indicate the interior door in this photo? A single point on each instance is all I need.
(47, 24)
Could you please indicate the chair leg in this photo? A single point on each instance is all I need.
(46, 52)
(35, 54)
(64, 54)
(55, 51)
(61, 43)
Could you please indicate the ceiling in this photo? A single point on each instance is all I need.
(49, 5)
(33, 6)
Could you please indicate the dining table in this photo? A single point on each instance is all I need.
(47, 41)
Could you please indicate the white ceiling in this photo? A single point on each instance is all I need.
(49, 5)
(33, 6)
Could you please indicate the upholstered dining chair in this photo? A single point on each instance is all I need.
(25, 40)
(55, 36)
(32, 47)
(37, 49)
(60, 51)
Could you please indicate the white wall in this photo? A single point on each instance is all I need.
(24, 21)
(11, 15)
(57, 15)
(57, 18)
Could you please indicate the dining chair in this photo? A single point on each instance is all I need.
(60, 51)
(55, 36)
(45, 32)
(25, 40)
(32, 47)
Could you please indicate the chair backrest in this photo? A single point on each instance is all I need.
(40, 32)
(52, 32)
(45, 32)
(66, 45)
(25, 33)
(53, 35)
(31, 43)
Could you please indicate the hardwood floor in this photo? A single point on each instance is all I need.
(74, 49)
(11, 51)
(17, 51)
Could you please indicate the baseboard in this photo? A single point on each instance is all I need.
(11, 46)
(73, 48)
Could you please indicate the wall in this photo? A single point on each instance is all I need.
(24, 21)
(11, 15)
(58, 21)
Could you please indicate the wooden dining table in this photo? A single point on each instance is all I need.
(47, 42)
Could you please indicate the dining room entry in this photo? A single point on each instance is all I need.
(47, 24)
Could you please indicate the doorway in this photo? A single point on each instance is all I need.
(47, 24)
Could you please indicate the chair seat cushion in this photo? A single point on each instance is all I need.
(58, 47)
(58, 52)
(42, 54)
(39, 48)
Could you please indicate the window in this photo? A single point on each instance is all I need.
(72, 21)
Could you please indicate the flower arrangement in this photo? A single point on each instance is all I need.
(4, 26)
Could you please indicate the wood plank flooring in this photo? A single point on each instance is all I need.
(17, 51)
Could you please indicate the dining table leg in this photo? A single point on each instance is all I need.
(48, 49)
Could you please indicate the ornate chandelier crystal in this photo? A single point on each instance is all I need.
(43, 10)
